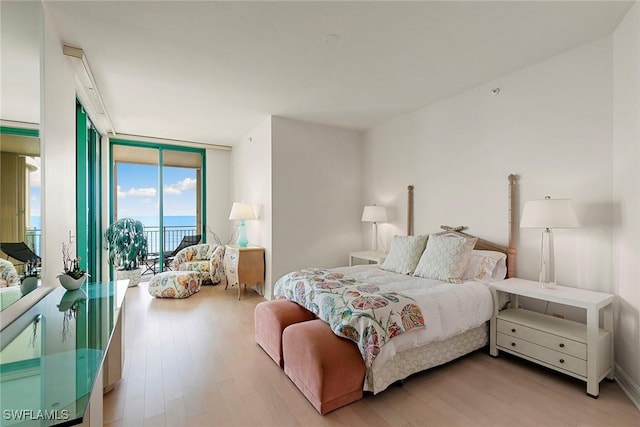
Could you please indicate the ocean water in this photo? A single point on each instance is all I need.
(147, 221)
(169, 221)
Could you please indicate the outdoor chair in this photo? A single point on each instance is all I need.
(19, 251)
(153, 259)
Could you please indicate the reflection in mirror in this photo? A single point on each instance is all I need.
(22, 368)
(20, 44)
(20, 228)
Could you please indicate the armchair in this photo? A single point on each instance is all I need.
(8, 274)
(205, 258)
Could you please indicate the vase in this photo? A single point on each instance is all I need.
(71, 284)
(70, 298)
(133, 276)
(28, 284)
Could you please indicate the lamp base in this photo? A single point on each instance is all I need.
(547, 276)
(374, 238)
(242, 235)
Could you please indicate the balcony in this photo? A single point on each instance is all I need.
(172, 234)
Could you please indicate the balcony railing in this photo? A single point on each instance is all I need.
(172, 234)
(34, 240)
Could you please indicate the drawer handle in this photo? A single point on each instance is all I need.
(513, 344)
(231, 270)
(232, 257)
(513, 329)
(561, 360)
(561, 345)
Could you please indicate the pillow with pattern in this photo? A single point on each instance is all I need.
(486, 266)
(445, 257)
(404, 254)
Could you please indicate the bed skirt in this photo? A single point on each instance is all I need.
(418, 359)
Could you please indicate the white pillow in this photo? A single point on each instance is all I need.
(445, 257)
(404, 254)
(486, 266)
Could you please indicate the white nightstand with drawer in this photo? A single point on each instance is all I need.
(582, 351)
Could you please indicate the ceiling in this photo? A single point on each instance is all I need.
(211, 71)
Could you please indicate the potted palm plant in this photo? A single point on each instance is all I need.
(127, 247)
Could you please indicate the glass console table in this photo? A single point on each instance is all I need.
(57, 357)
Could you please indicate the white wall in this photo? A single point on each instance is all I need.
(305, 181)
(251, 182)
(626, 195)
(58, 134)
(317, 183)
(551, 124)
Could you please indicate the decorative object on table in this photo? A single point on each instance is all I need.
(71, 299)
(374, 214)
(31, 276)
(548, 214)
(242, 211)
(70, 304)
(127, 246)
(73, 276)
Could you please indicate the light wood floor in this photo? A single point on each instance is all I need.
(194, 362)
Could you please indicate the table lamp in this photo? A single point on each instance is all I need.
(548, 214)
(374, 214)
(242, 211)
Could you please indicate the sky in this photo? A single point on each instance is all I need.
(138, 191)
(138, 194)
(34, 192)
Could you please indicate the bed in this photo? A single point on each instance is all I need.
(428, 321)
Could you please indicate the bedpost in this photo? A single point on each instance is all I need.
(511, 256)
(410, 211)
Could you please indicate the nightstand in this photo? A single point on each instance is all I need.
(244, 266)
(579, 350)
(371, 256)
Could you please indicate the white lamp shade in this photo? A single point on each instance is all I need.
(374, 214)
(549, 213)
(242, 210)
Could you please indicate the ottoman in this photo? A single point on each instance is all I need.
(271, 318)
(175, 284)
(327, 369)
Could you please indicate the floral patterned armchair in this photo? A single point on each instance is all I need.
(205, 258)
(8, 274)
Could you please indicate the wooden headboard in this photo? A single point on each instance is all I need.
(482, 244)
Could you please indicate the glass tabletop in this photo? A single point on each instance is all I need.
(50, 356)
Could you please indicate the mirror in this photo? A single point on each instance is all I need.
(20, 38)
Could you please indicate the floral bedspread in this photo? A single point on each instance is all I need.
(354, 309)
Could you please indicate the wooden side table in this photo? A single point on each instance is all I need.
(244, 266)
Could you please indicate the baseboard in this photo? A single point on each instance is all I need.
(631, 389)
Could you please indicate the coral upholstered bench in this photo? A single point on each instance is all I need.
(327, 369)
(271, 318)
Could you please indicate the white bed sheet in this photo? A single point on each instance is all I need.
(448, 309)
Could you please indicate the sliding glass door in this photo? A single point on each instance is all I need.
(163, 187)
(89, 192)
